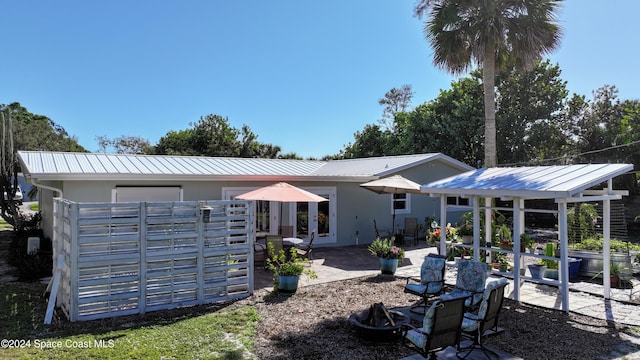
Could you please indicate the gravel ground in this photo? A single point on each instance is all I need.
(313, 324)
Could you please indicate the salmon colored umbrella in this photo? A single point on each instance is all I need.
(282, 192)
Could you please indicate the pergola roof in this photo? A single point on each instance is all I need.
(563, 181)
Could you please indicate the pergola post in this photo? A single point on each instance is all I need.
(443, 224)
(564, 259)
(517, 226)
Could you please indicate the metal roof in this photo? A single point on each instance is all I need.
(47, 165)
(528, 182)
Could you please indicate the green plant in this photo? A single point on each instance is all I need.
(465, 229)
(527, 240)
(596, 243)
(384, 248)
(549, 263)
(582, 220)
(503, 233)
(288, 265)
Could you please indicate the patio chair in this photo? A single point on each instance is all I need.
(431, 281)
(286, 231)
(441, 328)
(410, 230)
(260, 254)
(306, 252)
(277, 242)
(476, 326)
(470, 282)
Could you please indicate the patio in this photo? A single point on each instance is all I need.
(340, 263)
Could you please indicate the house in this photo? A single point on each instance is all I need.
(345, 219)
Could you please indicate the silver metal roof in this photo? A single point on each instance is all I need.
(84, 166)
(528, 182)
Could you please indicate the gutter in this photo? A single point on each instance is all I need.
(38, 185)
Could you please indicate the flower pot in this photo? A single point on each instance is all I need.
(574, 267)
(467, 239)
(288, 285)
(551, 274)
(614, 280)
(537, 271)
(388, 266)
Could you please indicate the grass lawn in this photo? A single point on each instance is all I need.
(219, 331)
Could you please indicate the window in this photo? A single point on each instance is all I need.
(451, 200)
(401, 203)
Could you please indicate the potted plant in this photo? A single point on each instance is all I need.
(287, 269)
(388, 254)
(527, 242)
(537, 270)
(466, 232)
(503, 235)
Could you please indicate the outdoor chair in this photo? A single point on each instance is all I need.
(476, 326)
(410, 230)
(277, 242)
(260, 254)
(286, 231)
(306, 252)
(470, 282)
(431, 281)
(441, 328)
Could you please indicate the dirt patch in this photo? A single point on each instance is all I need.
(313, 324)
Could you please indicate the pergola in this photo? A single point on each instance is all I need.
(565, 184)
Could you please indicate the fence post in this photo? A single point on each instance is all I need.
(142, 282)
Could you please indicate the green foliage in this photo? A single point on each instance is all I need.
(289, 264)
(596, 244)
(465, 229)
(527, 240)
(384, 248)
(205, 332)
(582, 222)
(38, 132)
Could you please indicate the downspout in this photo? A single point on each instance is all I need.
(38, 185)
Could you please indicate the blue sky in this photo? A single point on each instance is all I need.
(302, 75)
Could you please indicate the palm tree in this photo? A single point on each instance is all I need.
(489, 33)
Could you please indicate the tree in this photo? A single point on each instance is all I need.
(39, 133)
(125, 145)
(9, 209)
(489, 33)
(528, 119)
(395, 101)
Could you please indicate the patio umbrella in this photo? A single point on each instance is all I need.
(282, 192)
(395, 184)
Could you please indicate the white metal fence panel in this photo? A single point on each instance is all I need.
(129, 258)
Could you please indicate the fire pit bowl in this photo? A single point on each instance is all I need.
(378, 333)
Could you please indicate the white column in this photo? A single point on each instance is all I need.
(517, 225)
(476, 228)
(606, 250)
(443, 224)
(564, 243)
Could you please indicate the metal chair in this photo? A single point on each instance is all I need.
(431, 281)
(441, 328)
(306, 252)
(470, 282)
(476, 326)
(286, 231)
(410, 230)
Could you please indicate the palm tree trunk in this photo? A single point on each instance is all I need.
(488, 83)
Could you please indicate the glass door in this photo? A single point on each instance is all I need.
(320, 217)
